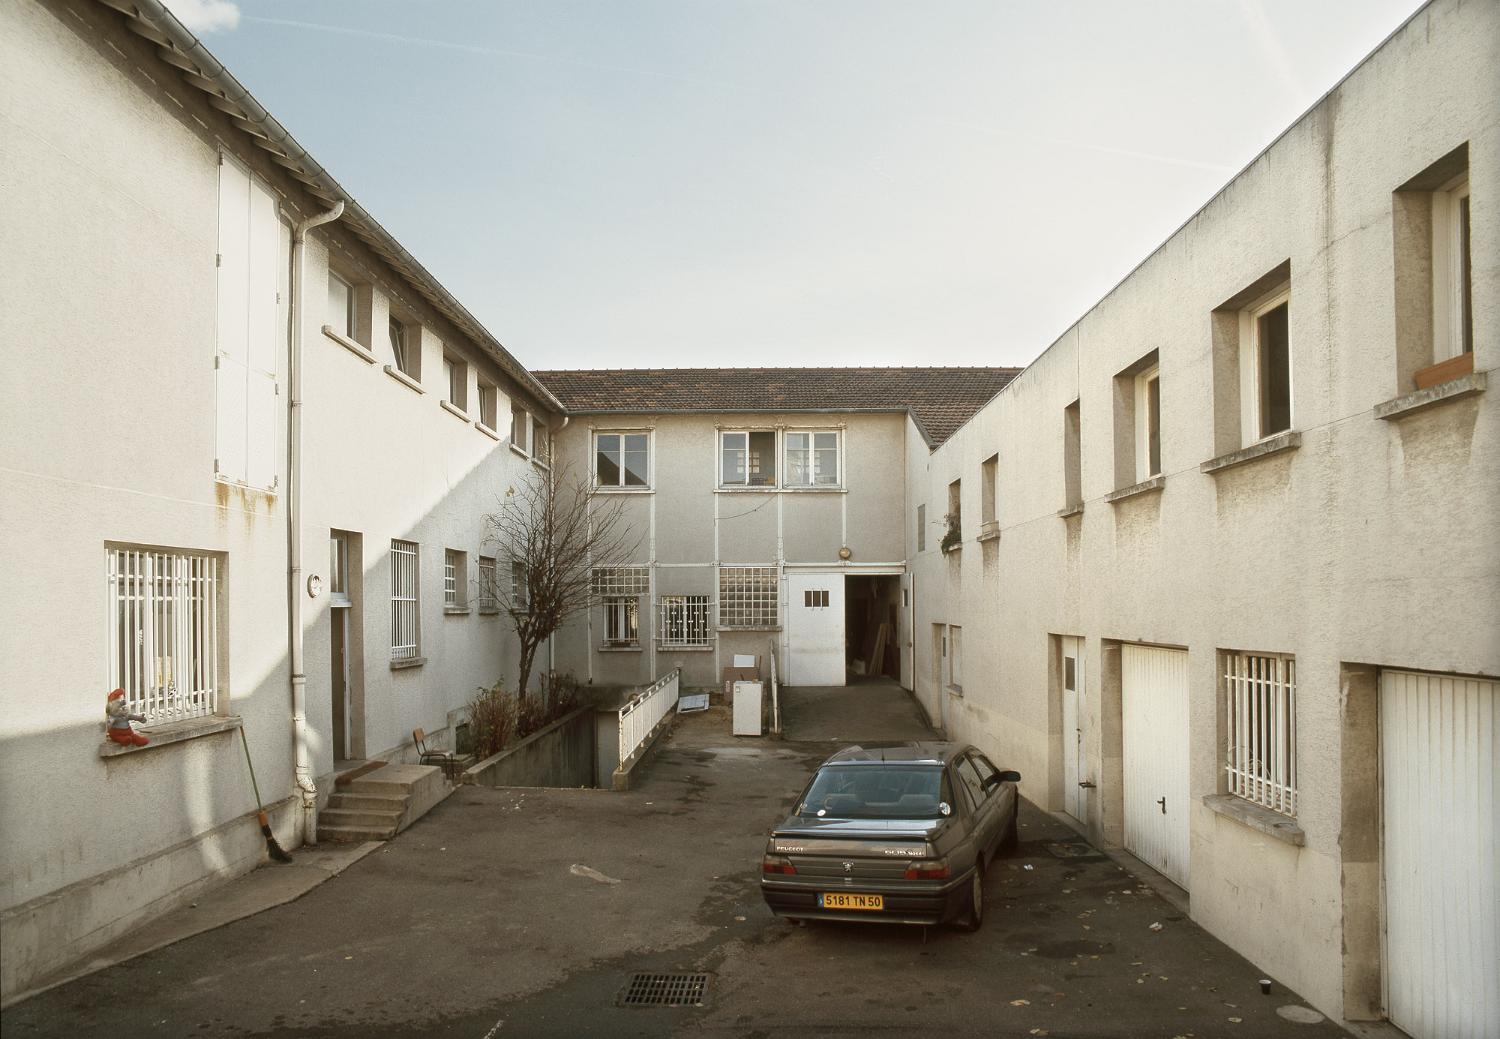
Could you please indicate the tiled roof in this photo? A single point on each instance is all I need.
(939, 399)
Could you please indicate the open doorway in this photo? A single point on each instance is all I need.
(871, 609)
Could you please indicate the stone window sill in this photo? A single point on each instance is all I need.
(1287, 441)
(490, 611)
(1272, 824)
(454, 410)
(168, 733)
(357, 349)
(1156, 483)
(404, 379)
(487, 431)
(669, 650)
(747, 627)
(1070, 511)
(989, 532)
(1454, 389)
(620, 649)
(624, 490)
(456, 611)
(407, 662)
(518, 450)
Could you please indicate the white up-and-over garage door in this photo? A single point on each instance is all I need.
(1154, 709)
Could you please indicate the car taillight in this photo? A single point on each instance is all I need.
(778, 864)
(931, 869)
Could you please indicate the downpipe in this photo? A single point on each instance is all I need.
(304, 771)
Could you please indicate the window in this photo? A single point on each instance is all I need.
(406, 622)
(456, 378)
(621, 622)
(953, 536)
(455, 579)
(1261, 724)
(815, 598)
(1148, 424)
(540, 444)
(747, 597)
(955, 657)
(1452, 272)
(969, 776)
(748, 459)
(1072, 457)
(249, 330)
(986, 770)
(405, 348)
(1272, 364)
(622, 459)
(489, 588)
(520, 586)
(812, 459)
(489, 402)
(620, 580)
(164, 632)
(340, 306)
(989, 502)
(684, 621)
(921, 528)
(520, 428)
(1434, 278)
(338, 569)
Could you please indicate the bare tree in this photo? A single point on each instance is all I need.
(555, 528)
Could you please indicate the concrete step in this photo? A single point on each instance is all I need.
(368, 802)
(370, 820)
(422, 785)
(363, 768)
(344, 834)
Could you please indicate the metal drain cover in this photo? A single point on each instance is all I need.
(664, 990)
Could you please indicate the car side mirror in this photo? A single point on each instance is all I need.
(1008, 776)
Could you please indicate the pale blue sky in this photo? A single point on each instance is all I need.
(628, 183)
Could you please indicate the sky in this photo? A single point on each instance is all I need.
(676, 183)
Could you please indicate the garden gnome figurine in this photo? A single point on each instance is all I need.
(120, 718)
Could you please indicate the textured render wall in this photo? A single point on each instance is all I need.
(1372, 542)
(110, 210)
(679, 520)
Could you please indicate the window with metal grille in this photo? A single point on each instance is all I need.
(520, 587)
(164, 632)
(406, 622)
(455, 578)
(489, 589)
(683, 621)
(620, 580)
(747, 597)
(1261, 722)
(621, 621)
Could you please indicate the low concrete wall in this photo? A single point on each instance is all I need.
(620, 780)
(562, 754)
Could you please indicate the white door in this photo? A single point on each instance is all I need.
(815, 629)
(1154, 694)
(1072, 730)
(1440, 774)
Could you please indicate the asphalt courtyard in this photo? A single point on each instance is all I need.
(524, 912)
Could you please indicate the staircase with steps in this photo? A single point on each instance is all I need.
(378, 800)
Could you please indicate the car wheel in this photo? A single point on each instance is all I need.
(974, 919)
(1012, 837)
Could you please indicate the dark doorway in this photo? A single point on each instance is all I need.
(873, 634)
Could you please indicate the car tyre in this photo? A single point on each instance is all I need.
(974, 917)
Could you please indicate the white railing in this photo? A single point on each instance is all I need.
(645, 710)
(775, 693)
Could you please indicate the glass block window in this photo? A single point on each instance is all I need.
(620, 580)
(747, 597)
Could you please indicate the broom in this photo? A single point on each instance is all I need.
(272, 848)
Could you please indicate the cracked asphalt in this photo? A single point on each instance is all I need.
(523, 912)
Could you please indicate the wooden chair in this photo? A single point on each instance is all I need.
(452, 766)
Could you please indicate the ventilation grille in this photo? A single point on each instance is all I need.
(665, 990)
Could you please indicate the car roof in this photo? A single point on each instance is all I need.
(905, 752)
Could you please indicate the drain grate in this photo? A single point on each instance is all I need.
(664, 990)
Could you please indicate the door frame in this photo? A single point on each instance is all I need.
(1071, 647)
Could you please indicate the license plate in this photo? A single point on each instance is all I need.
(846, 900)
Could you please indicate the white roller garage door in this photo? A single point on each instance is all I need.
(1154, 707)
(1440, 775)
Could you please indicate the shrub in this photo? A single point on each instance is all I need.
(498, 718)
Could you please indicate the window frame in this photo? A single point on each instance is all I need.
(989, 495)
(955, 650)
(1147, 424)
(520, 587)
(520, 412)
(540, 448)
(1452, 271)
(405, 575)
(407, 355)
(1252, 372)
(1249, 727)
(812, 433)
(489, 585)
(622, 487)
(747, 432)
(622, 610)
(350, 325)
(742, 586)
(456, 379)
(696, 615)
(455, 579)
(490, 415)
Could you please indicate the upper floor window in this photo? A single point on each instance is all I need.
(341, 306)
(456, 378)
(1270, 365)
(747, 458)
(489, 588)
(541, 444)
(1148, 423)
(489, 404)
(520, 429)
(1452, 273)
(455, 578)
(812, 458)
(405, 347)
(989, 499)
(622, 459)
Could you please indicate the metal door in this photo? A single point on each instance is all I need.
(815, 629)
(1440, 793)
(1072, 728)
(1154, 693)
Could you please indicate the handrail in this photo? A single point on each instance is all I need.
(775, 694)
(645, 710)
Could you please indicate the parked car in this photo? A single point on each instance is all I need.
(894, 833)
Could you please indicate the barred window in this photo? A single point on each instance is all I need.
(520, 587)
(684, 621)
(406, 626)
(455, 578)
(621, 621)
(747, 596)
(1261, 716)
(164, 633)
(620, 580)
(489, 588)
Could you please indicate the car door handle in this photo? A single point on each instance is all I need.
(1163, 802)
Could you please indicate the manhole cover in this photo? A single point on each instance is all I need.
(665, 990)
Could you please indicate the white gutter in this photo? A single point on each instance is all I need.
(294, 589)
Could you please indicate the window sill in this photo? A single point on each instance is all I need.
(454, 410)
(749, 627)
(404, 379)
(685, 649)
(167, 733)
(1411, 403)
(1287, 441)
(456, 611)
(1156, 483)
(407, 662)
(989, 532)
(489, 611)
(487, 431)
(619, 649)
(518, 450)
(624, 490)
(959, 547)
(1070, 511)
(354, 348)
(1272, 824)
(781, 490)
(540, 464)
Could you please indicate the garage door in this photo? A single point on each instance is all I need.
(1154, 695)
(815, 629)
(1440, 772)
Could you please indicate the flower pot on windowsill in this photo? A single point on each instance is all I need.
(1445, 371)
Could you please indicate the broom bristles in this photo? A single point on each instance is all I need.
(272, 848)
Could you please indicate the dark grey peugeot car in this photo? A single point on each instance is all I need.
(892, 832)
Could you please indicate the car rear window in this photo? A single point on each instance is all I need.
(877, 792)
